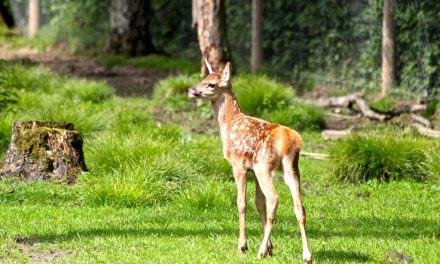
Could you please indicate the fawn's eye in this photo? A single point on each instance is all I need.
(211, 85)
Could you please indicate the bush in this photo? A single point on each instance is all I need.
(386, 155)
(257, 94)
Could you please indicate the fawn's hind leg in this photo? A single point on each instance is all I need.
(264, 178)
(292, 179)
(260, 202)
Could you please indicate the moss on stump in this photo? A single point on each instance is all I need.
(44, 150)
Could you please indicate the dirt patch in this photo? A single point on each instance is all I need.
(127, 81)
(47, 257)
(32, 250)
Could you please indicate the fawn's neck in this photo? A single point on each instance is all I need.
(225, 109)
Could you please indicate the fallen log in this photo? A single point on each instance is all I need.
(340, 101)
(318, 156)
(357, 98)
(329, 134)
(426, 131)
(421, 120)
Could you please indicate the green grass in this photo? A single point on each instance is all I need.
(382, 154)
(157, 62)
(384, 104)
(346, 224)
(257, 94)
(157, 192)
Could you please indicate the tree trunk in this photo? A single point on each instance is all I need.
(257, 19)
(129, 28)
(6, 13)
(388, 74)
(41, 150)
(34, 17)
(211, 30)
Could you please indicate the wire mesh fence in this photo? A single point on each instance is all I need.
(335, 43)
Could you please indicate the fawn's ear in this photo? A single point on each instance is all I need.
(226, 74)
(208, 66)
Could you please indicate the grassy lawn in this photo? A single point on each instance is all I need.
(160, 192)
(346, 224)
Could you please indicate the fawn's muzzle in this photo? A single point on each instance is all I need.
(193, 92)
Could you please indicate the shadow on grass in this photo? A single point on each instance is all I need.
(336, 256)
(132, 232)
(375, 227)
(396, 228)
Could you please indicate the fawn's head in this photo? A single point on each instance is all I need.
(213, 85)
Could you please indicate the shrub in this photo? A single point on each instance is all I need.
(257, 94)
(385, 155)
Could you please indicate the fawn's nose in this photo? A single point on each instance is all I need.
(192, 92)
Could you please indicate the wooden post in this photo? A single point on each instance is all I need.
(388, 74)
(34, 17)
(256, 53)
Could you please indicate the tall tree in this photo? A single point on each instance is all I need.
(6, 13)
(388, 31)
(209, 19)
(256, 53)
(34, 17)
(129, 28)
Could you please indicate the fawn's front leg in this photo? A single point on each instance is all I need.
(240, 180)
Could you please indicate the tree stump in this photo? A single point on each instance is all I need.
(44, 150)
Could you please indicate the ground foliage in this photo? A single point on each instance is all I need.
(159, 192)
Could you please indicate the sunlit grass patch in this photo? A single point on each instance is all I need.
(158, 62)
(207, 196)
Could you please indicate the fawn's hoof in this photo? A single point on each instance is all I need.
(242, 249)
(269, 248)
(307, 257)
(263, 254)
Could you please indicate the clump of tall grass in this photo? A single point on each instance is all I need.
(86, 91)
(207, 195)
(382, 154)
(257, 94)
(434, 160)
(300, 116)
(149, 181)
(263, 97)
